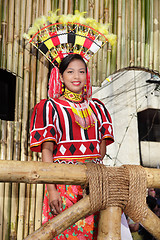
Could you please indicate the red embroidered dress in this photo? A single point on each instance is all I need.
(54, 120)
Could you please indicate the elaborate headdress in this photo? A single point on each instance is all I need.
(57, 36)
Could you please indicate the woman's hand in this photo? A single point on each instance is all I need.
(55, 202)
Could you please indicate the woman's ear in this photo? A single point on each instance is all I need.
(61, 78)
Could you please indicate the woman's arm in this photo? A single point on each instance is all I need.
(55, 201)
(103, 148)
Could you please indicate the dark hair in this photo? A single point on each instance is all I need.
(69, 58)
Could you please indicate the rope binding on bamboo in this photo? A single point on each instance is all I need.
(123, 187)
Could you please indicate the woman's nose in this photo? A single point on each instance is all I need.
(76, 74)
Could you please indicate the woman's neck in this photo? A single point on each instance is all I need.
(73, 97)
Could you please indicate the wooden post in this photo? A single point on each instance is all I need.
(40, 172)
(151, 223)
(109, 227)
(153, 176)
(62, 221)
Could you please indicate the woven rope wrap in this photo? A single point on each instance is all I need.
(108, 186)
(136, 207)
(123, 187)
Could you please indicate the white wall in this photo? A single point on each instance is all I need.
(127, 94)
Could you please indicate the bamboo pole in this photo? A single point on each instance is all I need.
(135, 31)
(40, 172)
(70, 7)
(3, 123)
(142, 32)
(32, 97)
(132, 33)
(18, 110)
(109, 226)
(39, 203)
(14, 190)
(41, 92)
(100, 52)
(152, 177)
(14, 200)
(26, 211)
(3, 156)
(22, 224)
(62, 221)
(9, 62)
(81, 5)
(156, 35)
(139, 34)
(32, 209)
(4, 34)
(123, 32)
(47, 6)
(0, 30)
(104, 50)
(114, 48)
(16, 36)
(147, 30)
(41, 7)
(18, 222)
(151, 223)
(91, 62)
(7, 193)
(151, 35)
(119, 33)
(110, 15)
(60, 7)
(66, 7)
(159, 38)
(128, 24)
(95, 57)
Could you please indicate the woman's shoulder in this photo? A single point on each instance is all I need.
(97, 101)
(44, 102)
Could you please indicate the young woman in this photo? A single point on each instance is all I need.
(69, 128)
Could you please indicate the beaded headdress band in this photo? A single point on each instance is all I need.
(57, 36)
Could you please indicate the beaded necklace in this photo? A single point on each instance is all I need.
(83, 113)
(73, 97)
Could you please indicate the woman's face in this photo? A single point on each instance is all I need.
(74, 77)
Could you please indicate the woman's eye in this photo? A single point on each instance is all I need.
(70, 71)
(82, 72)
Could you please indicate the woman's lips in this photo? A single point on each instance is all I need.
(76, 83)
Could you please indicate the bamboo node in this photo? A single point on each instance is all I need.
(123, 187)
(16, 36)
(3, 23)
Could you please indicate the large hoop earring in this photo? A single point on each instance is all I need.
(63, 87)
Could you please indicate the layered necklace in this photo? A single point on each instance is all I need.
(83, 113)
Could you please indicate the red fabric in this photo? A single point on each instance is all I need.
(54, 38)
(84, 229)
(55, 85)
(88, 41)
(53, 120)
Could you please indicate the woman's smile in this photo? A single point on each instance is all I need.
(76, 83)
